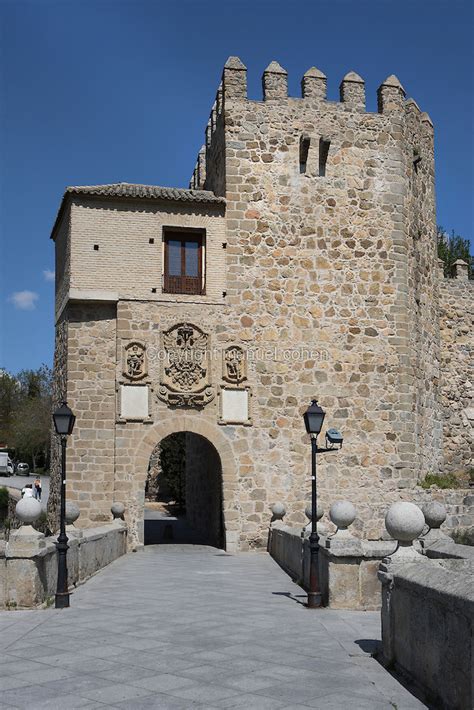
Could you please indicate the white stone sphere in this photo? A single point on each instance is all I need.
(342, 514)
(117, 510)
(278, 511)
(308, 511)
(72, 513)
(404, 521)
(435, 514)
(28, 510)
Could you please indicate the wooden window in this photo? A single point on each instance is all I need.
(183, 272)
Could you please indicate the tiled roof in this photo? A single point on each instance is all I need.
(126, 189)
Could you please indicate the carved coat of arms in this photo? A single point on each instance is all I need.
(234, 368)
(185, 378)
(134, 366)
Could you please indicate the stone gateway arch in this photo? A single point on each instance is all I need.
(226, 475)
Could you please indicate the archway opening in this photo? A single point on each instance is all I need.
(183, 492)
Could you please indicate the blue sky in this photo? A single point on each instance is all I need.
(97, 91)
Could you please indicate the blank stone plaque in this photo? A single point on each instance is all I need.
(134, 402)
(235, 405)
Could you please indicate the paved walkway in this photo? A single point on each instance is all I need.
(190, 627)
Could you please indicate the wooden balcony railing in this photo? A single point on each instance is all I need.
(189, 285)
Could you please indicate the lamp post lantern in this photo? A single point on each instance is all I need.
(64, 424)
(313, 419)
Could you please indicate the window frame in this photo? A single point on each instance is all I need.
(182, 284)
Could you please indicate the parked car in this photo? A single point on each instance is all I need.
(23, 469)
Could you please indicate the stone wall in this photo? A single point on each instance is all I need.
(428, 627)
(62, 245)
(422, 375)
(28, 562)
(457, 384)
(126, 262)
(91, 344)
(459, 503)
(152, 486)
(347, 568)
(211, 173)
(60, 387)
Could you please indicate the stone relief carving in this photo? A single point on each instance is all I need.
(186, 372)
(234, 365)
(135, 365)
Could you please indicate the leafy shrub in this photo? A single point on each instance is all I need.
(4, 497)
(448, 480)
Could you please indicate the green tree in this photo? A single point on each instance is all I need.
(10, 396)
(31, 429)
(452, 247)
(25, 413)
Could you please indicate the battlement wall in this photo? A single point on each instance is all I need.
(233, 88)
(457, 368)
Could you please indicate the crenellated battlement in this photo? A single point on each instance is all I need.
(461, 272)
(390, 94)
(391, 100)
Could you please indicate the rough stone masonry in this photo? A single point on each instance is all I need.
(301, 263)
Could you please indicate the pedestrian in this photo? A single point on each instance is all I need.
(27, 491)
(37, 488)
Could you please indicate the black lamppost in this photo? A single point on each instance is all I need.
(313, 419)
(64, 424)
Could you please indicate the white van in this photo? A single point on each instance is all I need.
(6, 464)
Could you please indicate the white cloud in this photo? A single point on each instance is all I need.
(48, 275)
(24, 300)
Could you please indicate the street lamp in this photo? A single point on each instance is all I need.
(313, 419)
(64, 424)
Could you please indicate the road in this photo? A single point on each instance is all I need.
(20, 481)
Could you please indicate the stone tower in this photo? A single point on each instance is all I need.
(331, 232)
(301, 263)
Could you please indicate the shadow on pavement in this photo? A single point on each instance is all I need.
(164, 529)
(298, 598)
(368, 645)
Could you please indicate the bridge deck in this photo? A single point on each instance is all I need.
(185, 627)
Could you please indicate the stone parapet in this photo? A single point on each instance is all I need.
(28, 562)
(428, 626)
(347, 567)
